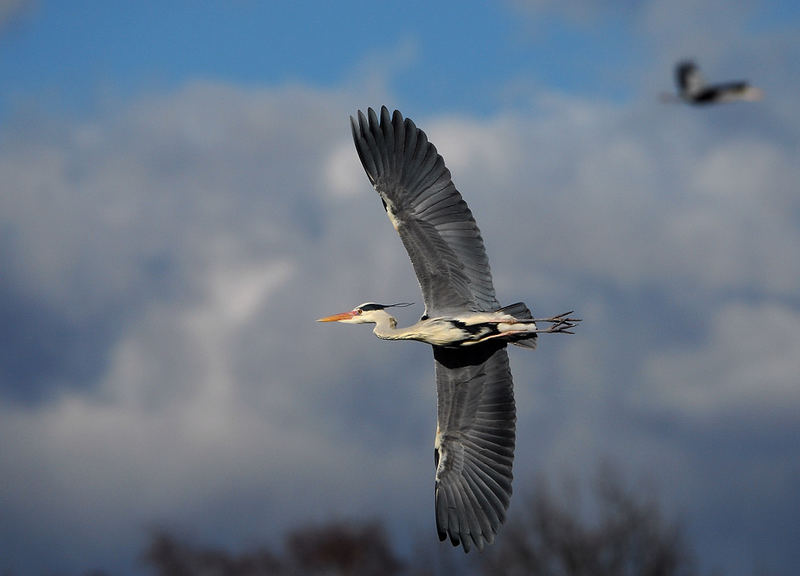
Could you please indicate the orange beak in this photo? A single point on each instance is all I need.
(337, 317)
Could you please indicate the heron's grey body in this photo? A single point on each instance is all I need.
(693, 89)
(465, 329)
(463, 321)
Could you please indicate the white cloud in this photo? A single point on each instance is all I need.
(745, 368)
(343, 175)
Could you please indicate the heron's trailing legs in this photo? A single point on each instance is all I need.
(561, 323)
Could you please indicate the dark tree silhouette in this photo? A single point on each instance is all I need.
(614, 531)
(333, 549)
(621, 535)
(169, 556)
(343, 548)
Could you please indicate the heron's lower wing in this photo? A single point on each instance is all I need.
(474, 446)
(434, 223)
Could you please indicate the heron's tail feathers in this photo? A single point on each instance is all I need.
(563, 323)
(527, 342)
(518, 310)
(521, 312)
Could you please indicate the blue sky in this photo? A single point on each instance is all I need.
(441, 56)
(181, 199)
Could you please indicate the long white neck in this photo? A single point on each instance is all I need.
(386, 327)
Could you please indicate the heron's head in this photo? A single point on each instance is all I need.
(366, 313)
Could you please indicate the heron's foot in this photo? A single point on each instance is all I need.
(562, 323)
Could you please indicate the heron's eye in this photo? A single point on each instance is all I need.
(358, 311)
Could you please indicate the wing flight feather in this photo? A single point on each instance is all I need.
(474, 444)
(435, 224)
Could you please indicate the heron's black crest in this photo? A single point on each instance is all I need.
(373, 306)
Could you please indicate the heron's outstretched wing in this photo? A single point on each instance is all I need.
(688, 78)
(434, 222)
(474, 446)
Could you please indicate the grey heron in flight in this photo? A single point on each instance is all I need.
(693, 89)
(463, 321)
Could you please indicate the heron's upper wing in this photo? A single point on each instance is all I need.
(688, 78)
(474, 442)
(434, 222)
